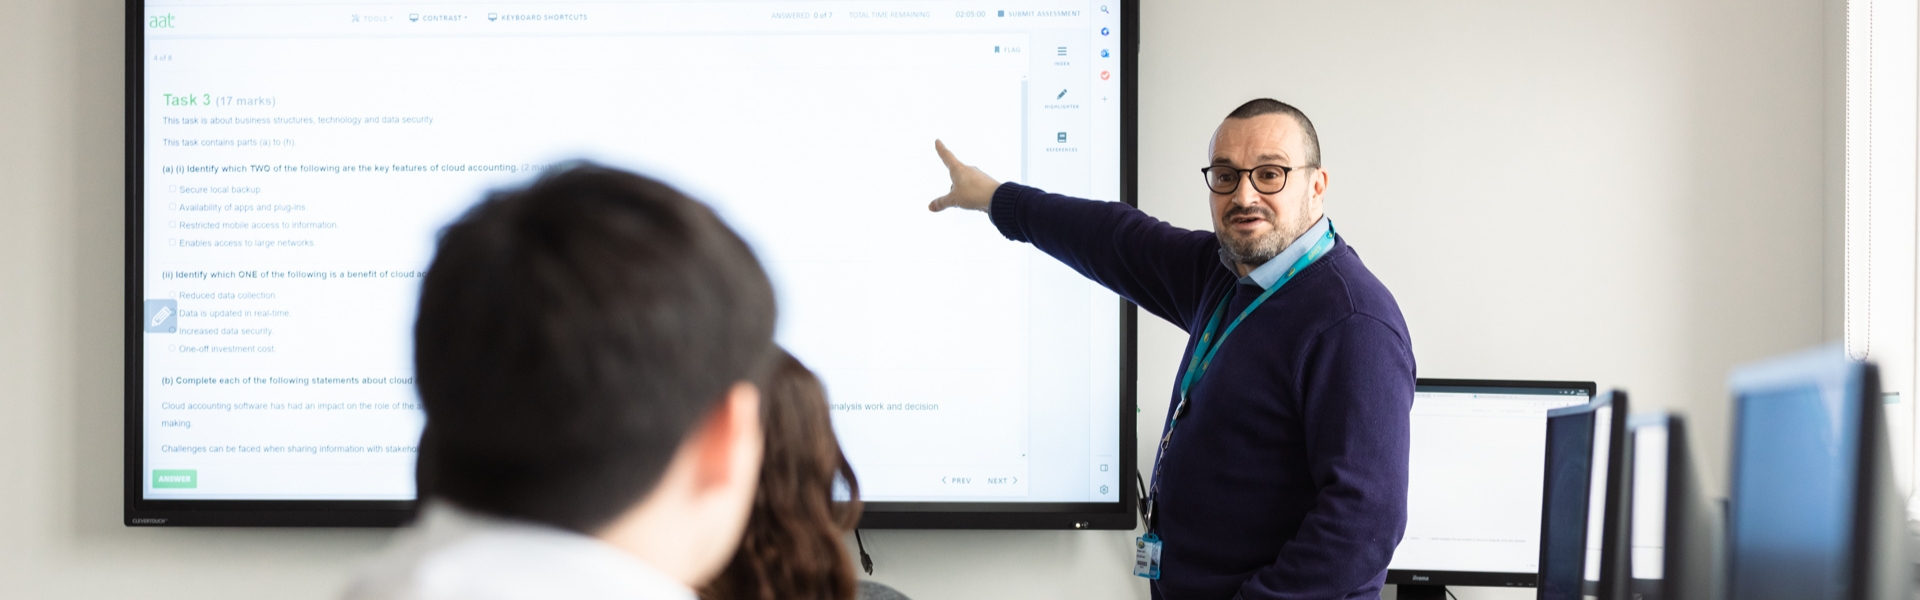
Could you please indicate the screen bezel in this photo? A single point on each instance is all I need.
(1613, 496)
(140, 511)
(1481, 578)
(1856, 384)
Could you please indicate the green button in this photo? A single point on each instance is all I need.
(175, 478)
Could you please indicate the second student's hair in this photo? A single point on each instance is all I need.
(792, 546)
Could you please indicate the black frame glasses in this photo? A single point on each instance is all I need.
(1216, 176)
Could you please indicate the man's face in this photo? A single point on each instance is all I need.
(1254, 227)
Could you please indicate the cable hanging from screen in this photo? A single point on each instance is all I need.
(866, 561)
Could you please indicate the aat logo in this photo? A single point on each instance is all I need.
(160, 21)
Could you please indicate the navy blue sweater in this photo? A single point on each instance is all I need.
(1287, 478)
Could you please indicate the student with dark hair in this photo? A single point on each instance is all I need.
(585, 351)
(792, 549)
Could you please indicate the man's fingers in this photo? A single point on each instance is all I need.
(946, 156)
(941, 203)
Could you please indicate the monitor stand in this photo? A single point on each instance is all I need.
(1421, 592)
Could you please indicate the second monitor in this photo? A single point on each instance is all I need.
(1583, 521)
(1474, 485)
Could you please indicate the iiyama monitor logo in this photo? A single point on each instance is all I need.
(1420, 578)
(148, 521)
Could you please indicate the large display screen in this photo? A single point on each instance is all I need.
(290, 166)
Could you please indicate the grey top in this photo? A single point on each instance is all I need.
(874, 590)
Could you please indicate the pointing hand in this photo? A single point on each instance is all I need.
(972, 188)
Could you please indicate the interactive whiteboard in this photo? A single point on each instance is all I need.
(289, 167)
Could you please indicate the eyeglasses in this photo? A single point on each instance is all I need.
(1267, 179)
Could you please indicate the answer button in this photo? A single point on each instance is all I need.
(175, 479)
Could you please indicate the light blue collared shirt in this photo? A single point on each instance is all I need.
(1267, 274)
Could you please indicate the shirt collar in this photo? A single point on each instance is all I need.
(1269, 272)
(451, 552)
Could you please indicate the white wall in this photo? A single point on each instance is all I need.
(1627, 191)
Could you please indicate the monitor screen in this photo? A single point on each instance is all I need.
(294, 162)
(1791, 505)
(1598, 457)
(1647, 546)
(1474, 489)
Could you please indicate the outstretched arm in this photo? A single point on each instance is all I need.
(1158, 266)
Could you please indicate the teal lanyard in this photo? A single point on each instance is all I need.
(1209, 345)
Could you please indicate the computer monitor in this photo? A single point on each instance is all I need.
(1812, 513)
(1675, 533)
(1473, 493)
(1583, 505)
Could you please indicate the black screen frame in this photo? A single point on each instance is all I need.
(1872, 557)
(1426, 577)
(1615, 501)
(142, 512)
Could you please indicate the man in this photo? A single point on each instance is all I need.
(583, 353)
(1282, 469)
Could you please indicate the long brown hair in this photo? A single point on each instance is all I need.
(792, 549)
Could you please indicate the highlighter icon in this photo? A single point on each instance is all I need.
(163, 316)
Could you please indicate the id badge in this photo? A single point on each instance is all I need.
(1146, 556)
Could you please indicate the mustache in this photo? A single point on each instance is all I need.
(1255, 211)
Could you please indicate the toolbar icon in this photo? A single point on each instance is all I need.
(1104, 75)
(163, 315)
(1105, 31)
(1103, 53)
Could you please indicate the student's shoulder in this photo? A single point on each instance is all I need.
(874, 590)
(451, 554)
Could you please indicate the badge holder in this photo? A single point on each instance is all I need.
(1146, 556)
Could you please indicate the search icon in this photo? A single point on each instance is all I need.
(1103, 9)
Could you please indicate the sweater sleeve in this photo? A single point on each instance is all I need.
(1357, 385)
(1158, 266)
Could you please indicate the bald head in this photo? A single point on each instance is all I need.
(1272, 141)
(1268, 106)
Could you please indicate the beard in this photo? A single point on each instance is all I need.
(1256, 249)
